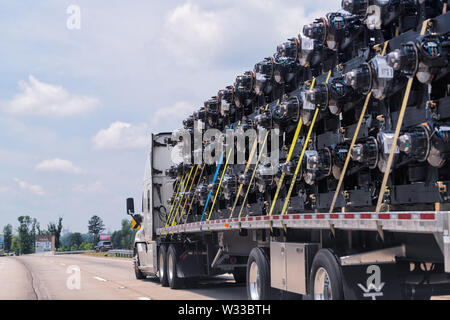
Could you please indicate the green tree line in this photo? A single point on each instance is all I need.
(22, 241)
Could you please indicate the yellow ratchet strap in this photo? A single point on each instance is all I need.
(182, 196)
(174, 200)
(185, 200)
(394, 142)
(247, 167)
(299, 164)
(198, 183)
(352, 144)
(220, 183)
(291, 151)
(253, 174)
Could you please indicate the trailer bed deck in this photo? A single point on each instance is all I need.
(415, 221)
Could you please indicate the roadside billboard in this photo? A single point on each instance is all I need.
(44, 243)
(105, 237)
(2, 244)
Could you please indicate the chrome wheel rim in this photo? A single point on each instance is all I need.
(254, 282)
(161, 265)
(322, 285)
(136, 262)
(170, 267)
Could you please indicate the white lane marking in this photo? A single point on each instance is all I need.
(100, 279)
(144, 298)
(63, 264)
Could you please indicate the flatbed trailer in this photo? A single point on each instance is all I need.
(297, 253)
(360, 102)
(414, 222)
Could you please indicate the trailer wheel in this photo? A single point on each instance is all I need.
(326, 277)
(422, 297)
(137, 272)
(258, 275)
(162, 266)
(172, 260)
(240, 275)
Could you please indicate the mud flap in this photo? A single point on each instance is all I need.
(373, 282)
(190, 266)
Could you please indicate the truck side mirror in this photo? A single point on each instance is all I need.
(130, 206)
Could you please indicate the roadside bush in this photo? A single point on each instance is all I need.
(86, 246)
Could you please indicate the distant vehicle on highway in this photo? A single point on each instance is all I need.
(2, 245)
(103, 246)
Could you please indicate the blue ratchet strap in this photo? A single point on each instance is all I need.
(214, 181)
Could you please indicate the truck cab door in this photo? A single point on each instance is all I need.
(158, 185)
(157, 188)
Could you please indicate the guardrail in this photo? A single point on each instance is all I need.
(115, 253)
(73, 252)
(121, 253)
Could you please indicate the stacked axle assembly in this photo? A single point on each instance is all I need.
(353, 114)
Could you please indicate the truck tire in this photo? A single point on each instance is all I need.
(137, 272)
(326, 277)
(162, 266)
(173, 255)
(422, 297)
(258, 275)
(240, 275)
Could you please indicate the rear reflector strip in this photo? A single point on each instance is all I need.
(393, 216)
(427, 216)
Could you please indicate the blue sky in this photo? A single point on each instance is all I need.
(77, 106)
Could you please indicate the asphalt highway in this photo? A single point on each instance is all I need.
(80, 277)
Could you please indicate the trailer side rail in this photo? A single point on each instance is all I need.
(416, 222)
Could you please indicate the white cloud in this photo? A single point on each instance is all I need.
(36, 189)
(197, 40)
(58, 165)
(47, 100)
(205, 33)
(172, 115)
(4, 189)
(137, 59)
(96, 186)
(122, 135)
